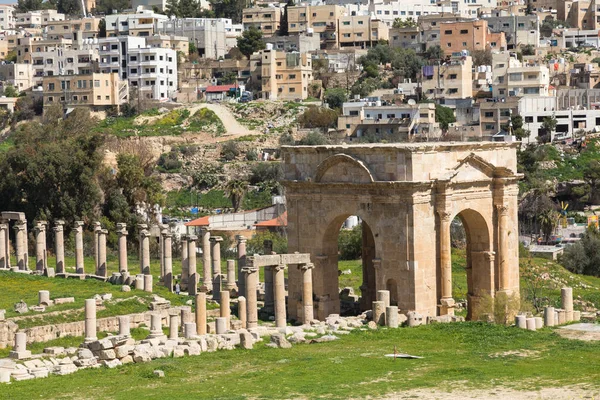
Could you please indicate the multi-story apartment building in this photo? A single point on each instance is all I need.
(177, 43)
(267, 19)
(451, 79)
(152, 70)
(302, 43)
(406, 38)
(320, 19)
(513, 78)
(360, 31)
(283, 76)
(470, 35)
(19, 76)
(141, 23)
(75, 29)
(95, 91)
(429, 25)
(208, 34)
(57, 57)
(520, 30)
(7, 17)
(37, 19)
(394, 122)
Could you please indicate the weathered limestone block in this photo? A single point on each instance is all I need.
(379, 312)
(246, 340)
(521, 321)
(278, 340)
(530, 324)
(414, 319)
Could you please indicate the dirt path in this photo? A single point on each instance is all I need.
(564, 393)
(232, 126)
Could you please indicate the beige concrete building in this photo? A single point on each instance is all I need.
(37, 19)
(7, 17)
(494, 115)
(471, 36)
(75, 29)
(453, 79)
(177, 43)
(284, 76)
(360, 31)
(19, 76)
(406, 194)
(320, 19)
(266, 19)
(141, 23)
(514, 78)
(97, 91)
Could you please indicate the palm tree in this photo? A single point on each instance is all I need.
(236, 189)
(548, 221)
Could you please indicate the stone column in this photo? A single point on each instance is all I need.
(155, 326)
(279, 292)
(20, 228)
(566, 295)
(206, 260)
(220, 325)
(59, 249)
(144, 252)
(241, 250)
(521, 321)
(384, 295)
(225, 307)
(43, 298)
(124, 327)
(79, 260)
(185, 312)
(308, 312)
(446, 300)
(185, 273)
(216, 287)
(161, 250)
(102, 267)
(379, 312)
(189, 330)
(97, 229)
(269, 306)
(20, 351)
(242, 313)
(201, 313)
(41, 261)
(549, 316)
(90, 320)
(3, 248)
(379, 278)
(168, 260)
(215, 252)
(173, 326)
(530, 322)
(122, 232)
(251, 275)
(193, 274)
(148, 283)
(503, 268)
(230, 284)
(391, 316)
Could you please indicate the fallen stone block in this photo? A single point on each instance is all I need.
(112, 363)
(64, 300)
(280, 341)
(55, 351)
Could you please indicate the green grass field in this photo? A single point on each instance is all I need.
(466, 355)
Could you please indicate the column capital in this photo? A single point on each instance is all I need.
(279, 267)
(183, 238)
(502, 209)
(241, 239)
(97, 226)
(216, 239)
(58, 228)
(168, 235)
(192, 238)
(306, 267)
(79, 224)
(40, 226)
(144, 234)
(142, 226)
(20, 226)
(444, 215)
(249, 269)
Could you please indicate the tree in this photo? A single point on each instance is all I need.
(404, 23)
(283, 30)
(335, 97)
(230, 150)
(528, 50)
(548, 126)
(548, 223)
(69, 7)
(29, 5)
(236, 189)
(107, 7)
(548, 25)
(482, 57)
(350, 243)
(192, 48)
(11, 56)
(250, 42)
(434, 53)
(187, 8)
(10, 91)
(228, 9)
(102, 28)
(591, 176)
(583, 257)
(318, 117)
(444, 115)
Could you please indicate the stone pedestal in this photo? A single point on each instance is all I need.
(79, 259)
(549, 316)
(122, 234)
(44, 298)
(139, 282)
(90, 320)
(279, 294)
(185, 272)
(148, 283)
(173, 326)
(206, 260)
(102, 266)
(221, 325)
(155, 327)
(144, 252)
(216, 287)
(41, 261)
(225, 307)
(379, 312)
(521, 321)
(215, 253)
(124, 327)
(193, 274)
(230, 283)
(168, 261)
(242, 312)
(251, 275)
(201, 313)
(562, 317)
(189, 330)
(384, 295)
(391, 316)
(59, 247)
(539, 323)
(307, 293)
(566, 295)
(186, 315)
(241, 248)
(576, 316)
(20, 351)
(530, 324)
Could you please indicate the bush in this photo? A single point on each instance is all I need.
(169, 162)
(252, 155)
(208, 176)
(266, 171)
(256, 243)
(314, 139)
(318, 117)
(287, 140)
(350, 243)
(583, 257)
(230, 150)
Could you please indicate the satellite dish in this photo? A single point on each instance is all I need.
(411, 102)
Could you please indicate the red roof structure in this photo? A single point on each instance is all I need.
(275, 222)
(220, 88)
(202, 221)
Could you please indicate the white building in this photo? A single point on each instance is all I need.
(7, 17)
(141, 23)
(153, 70)
(37, 19)
(208, 34)
(513, 78)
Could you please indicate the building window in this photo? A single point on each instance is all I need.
(530, 120)
(96, 83)
(292, 76)
(452, 76)
(98, 97)
(51, 86)
(50, 99)
(489, 114)
(292, 90)
(448, 32)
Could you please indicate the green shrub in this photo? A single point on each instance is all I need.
(256, 246)
(266, 171)
(169, 162)
(252, 155)
(350, 243)
(230, 150)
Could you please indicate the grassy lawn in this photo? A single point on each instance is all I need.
(471, 355)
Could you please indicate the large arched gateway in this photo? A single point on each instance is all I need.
(407, 195)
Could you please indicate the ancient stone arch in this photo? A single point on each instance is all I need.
(407, 195)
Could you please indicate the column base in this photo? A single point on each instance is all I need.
(446, 306)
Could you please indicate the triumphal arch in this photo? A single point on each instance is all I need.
(407, 196)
